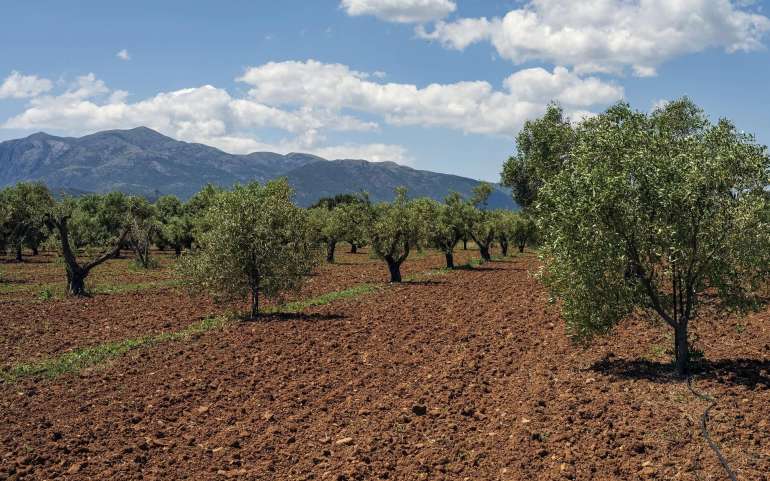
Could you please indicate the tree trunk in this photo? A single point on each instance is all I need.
(353, 248)
(330, 246)
(504, 247)
(522, 245)
(18, 253)
(76, 281)
(465, 244)
(254, 303)
(177, 250)
(484, 251)
(450, 261)
(35, 250)
(681, 349)
(395, 270)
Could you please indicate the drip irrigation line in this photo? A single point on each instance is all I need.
(704, 429)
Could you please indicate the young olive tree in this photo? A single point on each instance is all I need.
(650, 211)
(396, 228)
(70, 217)
(257, 244)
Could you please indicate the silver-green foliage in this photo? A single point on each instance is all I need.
(395, 229)
(257, 242)
(651, 210)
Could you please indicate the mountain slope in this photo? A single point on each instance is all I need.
(379, 179)
(142, 161)
(138, 161)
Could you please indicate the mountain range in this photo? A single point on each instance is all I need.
(143, 161)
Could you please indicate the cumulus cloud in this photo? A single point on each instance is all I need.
(19, 86)
(472, 106)
(123, 55)
(610, 35)
(307, 100)
(400, 11)
(203, 114)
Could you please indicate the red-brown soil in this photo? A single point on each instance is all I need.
(463, 376)
(31, 328)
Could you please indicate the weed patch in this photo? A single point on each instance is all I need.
(79, 359)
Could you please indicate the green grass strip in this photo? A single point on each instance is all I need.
(329, 297)
(79, 359)
(83, 358)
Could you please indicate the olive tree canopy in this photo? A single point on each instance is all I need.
(648, 212)
(257, 242)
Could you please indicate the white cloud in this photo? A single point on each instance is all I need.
(123, 55)
(371, 152)
(203, 114)
(472, 106)
(19, 86)
(401, 11)
(307, 100)
(610, 35)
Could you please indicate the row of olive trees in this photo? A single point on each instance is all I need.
(645, 211)
(95, 226)
(251, 240)
(256, 242)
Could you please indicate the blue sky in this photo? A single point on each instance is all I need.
(442, 85)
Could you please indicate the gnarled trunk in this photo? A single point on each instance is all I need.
(35, 250)
(521, 246)
(18, 253)
(504, 247)
(76, 281)
(353, 248)
(395, 269)
(177, 250)
(484, 251)
(331, 245)
(450, 261)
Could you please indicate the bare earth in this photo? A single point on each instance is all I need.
(467, 375)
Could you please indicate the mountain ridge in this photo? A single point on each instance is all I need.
(146, 162)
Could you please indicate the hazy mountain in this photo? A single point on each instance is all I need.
(379, 179)
(143, 161)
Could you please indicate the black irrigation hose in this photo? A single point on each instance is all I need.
(704, 429)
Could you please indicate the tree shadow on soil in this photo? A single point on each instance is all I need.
(295, 316)
(480, 268)
(425, 282)
(752, 373)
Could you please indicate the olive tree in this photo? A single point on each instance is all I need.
(26, 204)
(396, 228)
(327, 228)
(257, 244)
(479, 221)
(447, 226)
(542, 146)
(81, 218)
(143, 225)
(650, 211)
(174, 228)
(522, 231)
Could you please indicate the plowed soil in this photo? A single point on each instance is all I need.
(468, 375)
(31, 328)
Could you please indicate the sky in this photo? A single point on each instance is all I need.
(441, 85)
